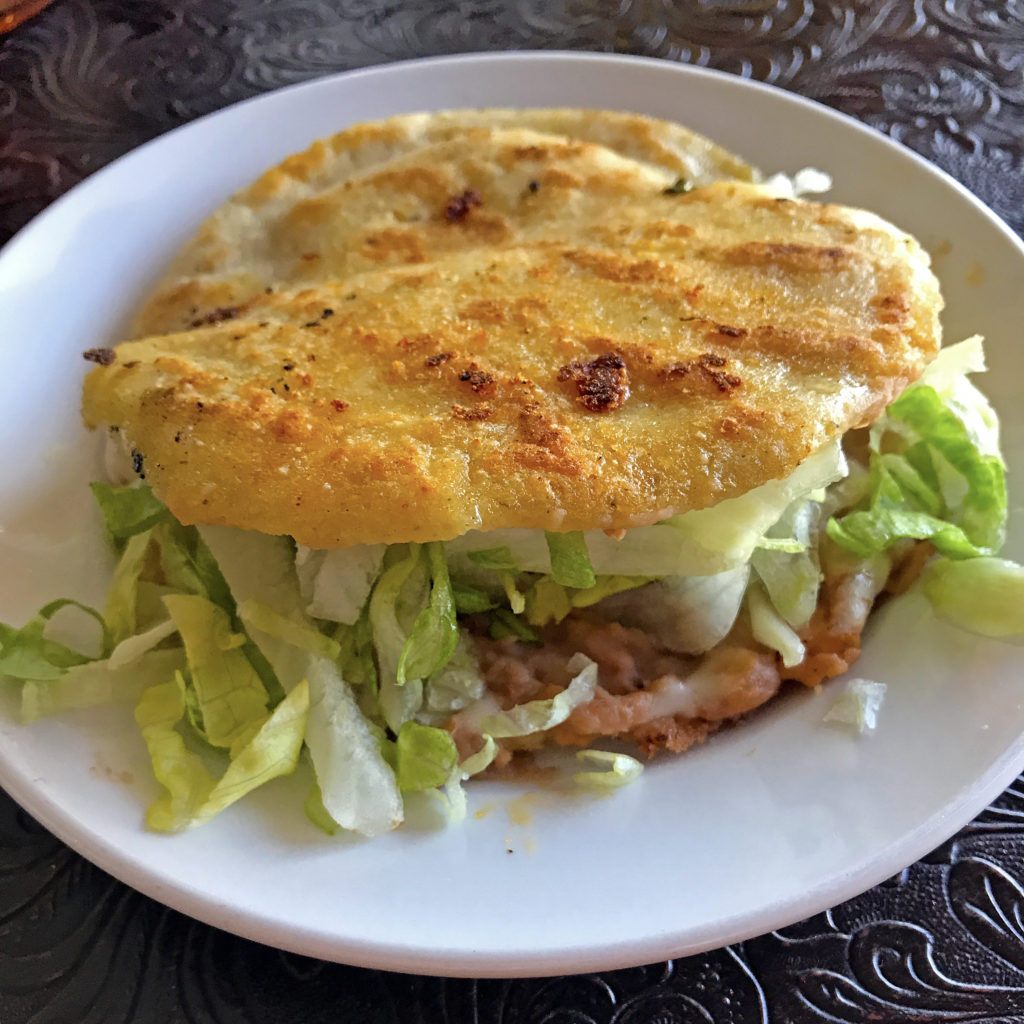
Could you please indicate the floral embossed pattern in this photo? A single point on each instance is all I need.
(88, 80)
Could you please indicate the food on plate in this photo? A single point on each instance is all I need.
(465, 437)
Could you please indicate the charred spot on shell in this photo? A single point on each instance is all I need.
(319, 319)
(479, 412)
(437, 359)
(103, 356)
(458, 206)
(138, 463)
(338, 405)
(216, 316)
(891, 309)
(601, 384)
(791, 256)
(708, 368)
(725, 382)
(479, 380)
(730, 332)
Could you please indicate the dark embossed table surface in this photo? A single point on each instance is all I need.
(87, 80)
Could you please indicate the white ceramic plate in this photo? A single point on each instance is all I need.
(770, 822)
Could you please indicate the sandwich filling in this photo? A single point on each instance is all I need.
(420, 665)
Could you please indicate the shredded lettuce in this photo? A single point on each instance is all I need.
(452, 798)
(471, 600)
(699, 543)
(786, 561)
(358, 787)
(100, 682)
(193, 795)
(779, 544)
(356, 656)
(122, 605)
(300, 634)
(396, 601)
(335, 584)
(538, 715)
(506, 624)
(133, 647)
(858, 705)
(948, 374)
(984, 595)
(771, 629)
(685, 613)
(808, 180)
(55, 677)
(935, 469)
(500, 560)
(550, 601)
(476, 763)
(187, 564)
(570, 560)
(434, 634)
(734, 527)
(458, 683)
(425, 757)
(612, 770)
(317, 813)
(128, 510)
(27, 653)
(230, 700)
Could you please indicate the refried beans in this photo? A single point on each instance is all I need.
(664, 700)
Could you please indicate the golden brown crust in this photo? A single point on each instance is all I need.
(419, 402)
(484, 319)
(391, 192)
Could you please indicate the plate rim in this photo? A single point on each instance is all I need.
(249, 923)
